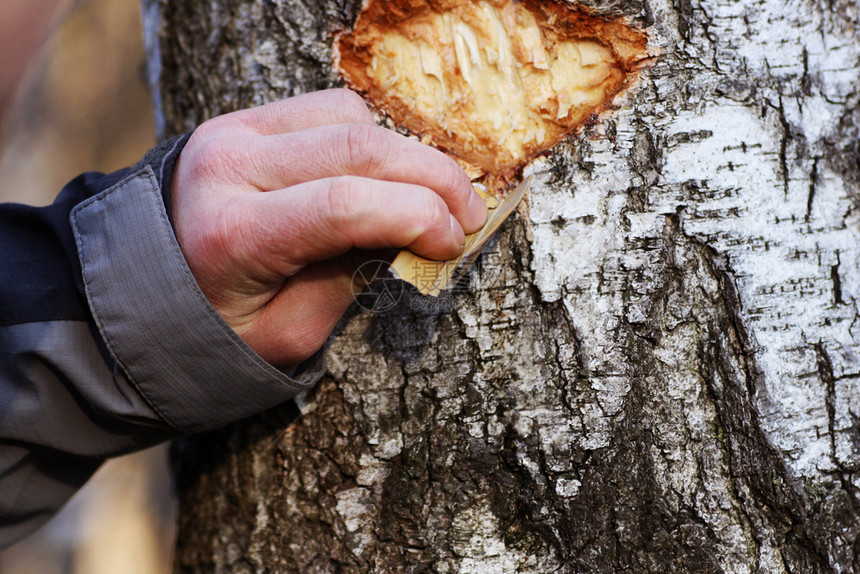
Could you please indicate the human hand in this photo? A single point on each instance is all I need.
(270, 203)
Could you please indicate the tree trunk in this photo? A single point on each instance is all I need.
(654, 368)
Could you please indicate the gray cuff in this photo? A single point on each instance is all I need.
(162, 159)
(175, 349)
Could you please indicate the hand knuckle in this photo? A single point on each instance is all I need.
(223, 157)
(454, 178)
(359, 140)
(367, 148)
(351, 105)
(211, 128)
(435, 212)
(339, 204)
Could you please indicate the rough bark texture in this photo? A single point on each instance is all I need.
(654, 369)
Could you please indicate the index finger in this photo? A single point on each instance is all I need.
(364, 150)
(305, 111)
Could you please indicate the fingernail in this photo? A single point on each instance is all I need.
(457, 231)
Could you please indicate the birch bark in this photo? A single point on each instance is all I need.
(654, 368)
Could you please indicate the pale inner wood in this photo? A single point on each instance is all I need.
(491, 80)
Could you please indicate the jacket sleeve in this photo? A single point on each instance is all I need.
(107, 344)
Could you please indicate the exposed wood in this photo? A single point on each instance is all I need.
(493, 82)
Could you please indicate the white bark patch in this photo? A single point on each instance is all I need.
(782, 257)
(567, 487)
(475, 539)
(357, 510)
(783, 270)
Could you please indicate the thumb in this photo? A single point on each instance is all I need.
(296, 322)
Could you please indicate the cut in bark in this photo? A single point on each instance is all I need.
(494, 83)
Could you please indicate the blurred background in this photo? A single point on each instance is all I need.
(81, 104)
